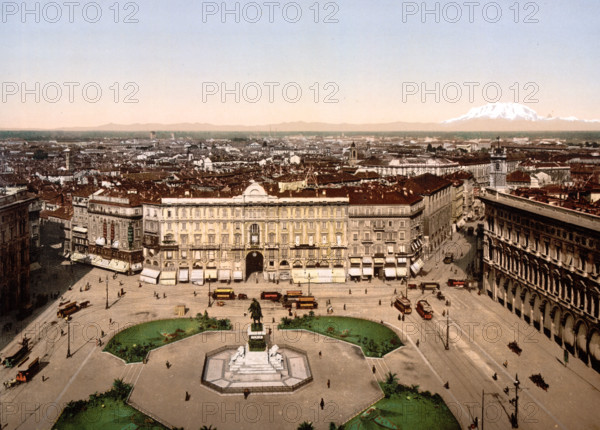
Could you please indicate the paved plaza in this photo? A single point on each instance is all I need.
(479, 333)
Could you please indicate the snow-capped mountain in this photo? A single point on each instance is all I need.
(508, 112)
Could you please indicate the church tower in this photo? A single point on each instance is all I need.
(353, 160)
(498, 168)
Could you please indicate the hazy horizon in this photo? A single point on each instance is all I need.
(355, 63)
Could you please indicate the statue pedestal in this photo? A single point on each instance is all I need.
(264, 361)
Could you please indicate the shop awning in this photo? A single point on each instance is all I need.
(197, 275)
(238, 275)
(150, 273)
(379, 261)
(113, 265)
(325, 275)
(184, 274)
(390, 260)
(299, 276)
(355, 261)
(224, 275)
(354, 271)
(416, 267)
(390, 272)
(367, 260)
(339, 275)
(401, 272)
(136, 266)
(78, 256)
(82, 230)
(211, 274)
(402, 260)
(103, 262)
(167, 276)
(100, 241)
(367, 271)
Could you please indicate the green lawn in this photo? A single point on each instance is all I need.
(409, 409)
(134, 343)
(375, 339)
(115, 415)
(106, 411)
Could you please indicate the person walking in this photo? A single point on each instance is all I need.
(322, 403)
(328, 383)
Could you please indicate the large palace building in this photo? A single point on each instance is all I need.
(14, 248)
(309, 235)
(542, 262)
(281, 235)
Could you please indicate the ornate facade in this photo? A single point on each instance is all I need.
(542, 262)
(279, 235)
(14, 248)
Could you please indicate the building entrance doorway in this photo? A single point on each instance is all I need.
(254, 263)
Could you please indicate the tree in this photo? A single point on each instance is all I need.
(121, 389)
(306, 426)
(255, 311)
(429, 147)
(210, 427)
(332, 426)
(391, 378)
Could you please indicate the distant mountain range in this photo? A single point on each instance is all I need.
(490, 117)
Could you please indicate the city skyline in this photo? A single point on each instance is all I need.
(361, 65)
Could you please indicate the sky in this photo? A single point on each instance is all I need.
(266, 62)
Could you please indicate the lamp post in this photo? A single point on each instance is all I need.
(209, 302)
(515, 416)
(106, 292)
(447, 330)
(309, 284)
(68, 338)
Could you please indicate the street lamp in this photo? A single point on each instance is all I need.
(309, 284)
(106, 292)
(447, 330)
(515, 416)
(68, 338)
(209, 302)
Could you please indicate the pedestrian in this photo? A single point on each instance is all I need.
(194, 294)
(505, 364)
(168, 364)
(110, 320)
(322, 403)
(495, 376)
(418, 343)
(447, 385)
(164, 295)
(320, 354)
(379, 302)
(374, 370)
(365, 291)
(187, 396)
(246, 393)
(394, 291)
(328, 383)
(349, 290)
(344, 306)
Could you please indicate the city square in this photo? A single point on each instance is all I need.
(477, 349)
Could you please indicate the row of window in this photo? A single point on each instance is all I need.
(211, 212)
(255, 239)
(211, 255)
